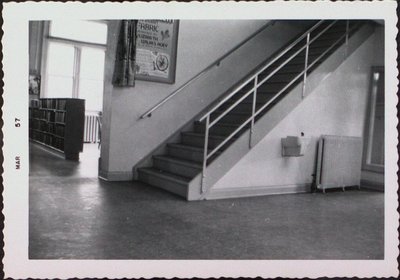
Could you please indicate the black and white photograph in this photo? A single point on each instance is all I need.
(161, 140)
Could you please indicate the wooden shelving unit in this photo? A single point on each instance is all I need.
(58, 123)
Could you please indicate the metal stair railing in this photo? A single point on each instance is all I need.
(256, 84)
(148, 113)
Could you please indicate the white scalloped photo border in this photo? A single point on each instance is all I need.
(15, 182)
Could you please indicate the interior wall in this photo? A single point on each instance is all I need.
(127, 139)
(336, 107)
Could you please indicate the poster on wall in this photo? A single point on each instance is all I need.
(156, 50)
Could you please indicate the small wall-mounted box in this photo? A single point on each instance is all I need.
(294, 146)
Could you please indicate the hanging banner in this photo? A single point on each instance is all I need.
(156, 50)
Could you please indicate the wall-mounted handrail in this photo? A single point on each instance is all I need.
(257, 84)
(205, 70)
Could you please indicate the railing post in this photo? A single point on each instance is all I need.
(253, 110)
(203, 174)
(305, 67)
(347, 38)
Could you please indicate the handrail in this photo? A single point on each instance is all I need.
(208, 124)
(269, 63)
(202, 72)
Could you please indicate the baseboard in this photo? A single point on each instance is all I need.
(257, 191)
(115, 175)
(376, 186)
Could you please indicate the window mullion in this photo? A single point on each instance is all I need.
(44, 71)
(76, 73)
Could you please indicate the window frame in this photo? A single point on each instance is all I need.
(369, 123)
(78, 45)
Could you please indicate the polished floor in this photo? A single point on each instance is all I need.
(74, 215)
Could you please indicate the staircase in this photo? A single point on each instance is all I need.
(238, 112)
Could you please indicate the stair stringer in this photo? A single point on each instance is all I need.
(224, 162)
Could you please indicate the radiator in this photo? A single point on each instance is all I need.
(339, 162)
(91, 131)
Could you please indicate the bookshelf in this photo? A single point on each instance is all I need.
(58, 123)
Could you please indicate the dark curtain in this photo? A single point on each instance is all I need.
(124, 69)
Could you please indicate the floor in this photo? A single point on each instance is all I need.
(74, 215)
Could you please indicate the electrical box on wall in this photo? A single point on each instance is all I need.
(294, 146)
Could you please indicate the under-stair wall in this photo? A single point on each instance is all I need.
(126, 140)
(336, 104)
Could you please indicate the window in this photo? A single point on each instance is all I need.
(60, 70)
(75, 61)
(79, 30)
(374, 147)
(91, 77)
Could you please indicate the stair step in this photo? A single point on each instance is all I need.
(335, 30)
(329, 38)
(318, 46)
(232, 117)
(243, 106)
(324, 41)
(243, 110)
(296, 61)
(289, 54)
(246, 105)
(321, 47)
(262, 96)
(274, 87)
(245, 89)
(177, 166)
(282, 77)
(222, 129)
(186, 152)
(300, 60)
(322, 26)
(291, 69)
(250, 96)
(249, 101)
(197, 139)
(164, 180)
